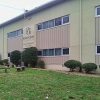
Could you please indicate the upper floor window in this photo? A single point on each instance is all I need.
(58, 21)
(39, 26)
(45, 25)
(54, 22)
(65, 19)
(51, 23)
(98, 11)
(15, 33)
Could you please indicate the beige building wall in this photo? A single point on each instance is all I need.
(1, 43)
(88, 30)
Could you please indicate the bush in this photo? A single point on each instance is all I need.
(1, 62)
(5, 62)
(88, 67)
(41, 64)
(30, 56)
(73, 64)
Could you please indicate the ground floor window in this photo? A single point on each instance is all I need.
(98, 49)
(53, 52)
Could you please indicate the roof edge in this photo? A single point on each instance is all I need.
(32, 12)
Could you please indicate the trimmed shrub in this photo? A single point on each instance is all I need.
(5, 61)
(1, 62)
(41, 64)
(15, 57)
(88, 67)
(73, 64)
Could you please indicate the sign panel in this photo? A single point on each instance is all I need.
(28, 37)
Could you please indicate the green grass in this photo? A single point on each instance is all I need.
(36, 85)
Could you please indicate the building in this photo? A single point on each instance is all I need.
(61, 30)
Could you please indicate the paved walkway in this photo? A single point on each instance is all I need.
(72, 73)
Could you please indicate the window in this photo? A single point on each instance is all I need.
(65, 19)
(65, 51)
(45, 52)
(45, 25)
(58, 21)
(98, 11)
(15, 33)
(8, 54)
(57, 51)
(19, 32)
(51, 52)
(51, 23)
(98, 50)
(39, 53)
(39, 26)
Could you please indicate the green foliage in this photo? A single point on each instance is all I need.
(88, 67)
(72, 64)
(37, 84)
(5, 61)
(30, 56)
(41, 64)
(1, 62)
(15, 57)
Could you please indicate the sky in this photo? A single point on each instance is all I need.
(12, 8)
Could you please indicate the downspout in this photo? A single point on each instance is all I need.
(3, 42)
(80, 30)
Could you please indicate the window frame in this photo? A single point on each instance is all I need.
(41, 53)
(63, 20)
(96, 11)
(63, 51)
(54, 20)
(96, 50)
(38, 26)
(14, 34)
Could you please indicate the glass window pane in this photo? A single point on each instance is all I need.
(39, 26)
(45, 25)
(19, 32)
(58, 21)
(51, 52)
(45, 52)
(98, 11)
(65, 19)
(65, 51)
(57, 51)
(39, 53)
(98, 49)
(51, 23)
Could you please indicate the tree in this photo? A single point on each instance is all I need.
(15, 57)
(30, 56)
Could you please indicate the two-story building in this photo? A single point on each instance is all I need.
(60, 29)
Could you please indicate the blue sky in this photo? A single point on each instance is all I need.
(12, 8)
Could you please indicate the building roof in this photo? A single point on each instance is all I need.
(32, 12)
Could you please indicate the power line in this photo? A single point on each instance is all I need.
(3, 5)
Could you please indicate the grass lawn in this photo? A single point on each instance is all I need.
(37, 84)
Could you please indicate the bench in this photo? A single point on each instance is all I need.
(22, 68)
(4, 68)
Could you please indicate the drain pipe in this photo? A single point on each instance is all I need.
(80, 30)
